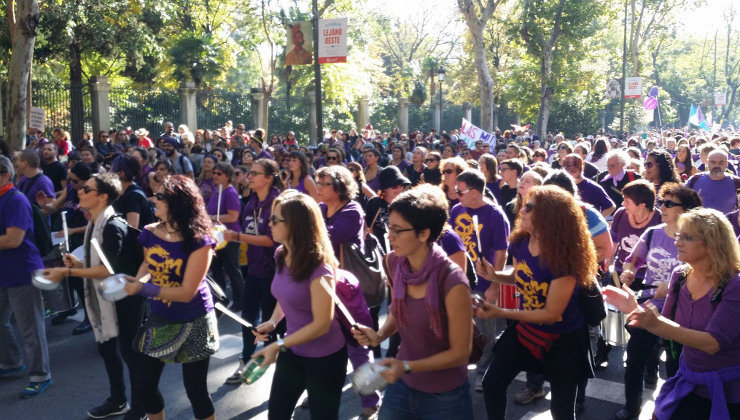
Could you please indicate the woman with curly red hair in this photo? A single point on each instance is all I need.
(552, 255)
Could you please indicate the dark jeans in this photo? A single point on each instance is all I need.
(375, 314)
(322, 377)
(640, 350)
(226, 264)
(694, 407)
(147, 398)
(257, 299)
(511, 357)
(401, 402)
(129, 312)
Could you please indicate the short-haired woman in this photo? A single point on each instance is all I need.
(313, 354)
(431, 311)
(700, 313)
(162, 169)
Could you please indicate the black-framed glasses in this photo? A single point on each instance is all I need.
(528, 207)
(275, 220)
(430, 160)
(395, 231)
(669, 204)
(238, 173)
(218, 173)
(448, 171)
(159, 196)
(87, 189)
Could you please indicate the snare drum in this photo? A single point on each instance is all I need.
(614, 331)
(508, 297)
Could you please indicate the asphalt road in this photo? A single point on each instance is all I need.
(80, 383)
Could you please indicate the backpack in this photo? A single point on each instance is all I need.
(349, 292)
(132, 253)
(147, 213)
(41, 229)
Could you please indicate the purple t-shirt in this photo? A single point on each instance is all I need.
(29, 187)
(450, 242)
(294, 298)
(533, 281)
(732, 217)
(264, 154)
(206, 188)
(495, 190)
(418, 340)
(494, 231)
(626, 237)
(715, 194)
(229, 201)
(346, 225)
(592, 193)
(260, 259)
(166, 262)
(659, 260)
(719, 321)
(17, 263)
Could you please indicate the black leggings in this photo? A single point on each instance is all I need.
(322, 377)
(147, 398)
(695, 407)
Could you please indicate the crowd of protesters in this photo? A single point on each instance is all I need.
(492, 239)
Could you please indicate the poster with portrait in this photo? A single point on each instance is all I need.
(299, 45)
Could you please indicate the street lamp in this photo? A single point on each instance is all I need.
(441, 77)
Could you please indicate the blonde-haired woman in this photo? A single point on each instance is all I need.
(700, 314)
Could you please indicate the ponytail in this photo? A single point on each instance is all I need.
(271, 169)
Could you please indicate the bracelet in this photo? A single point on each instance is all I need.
(149, 290)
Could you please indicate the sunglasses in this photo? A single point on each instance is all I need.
(255, 173)
(528, 207)
(87, 189)
(668, 204)
(218, 173)
(462, 192)
(448, 171)
(430, 160)
(238, 172)
(274, 219)
(332, 158)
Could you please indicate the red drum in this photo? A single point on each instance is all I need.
(508, 297)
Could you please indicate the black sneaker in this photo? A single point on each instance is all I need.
(107, 409)
(83, 328)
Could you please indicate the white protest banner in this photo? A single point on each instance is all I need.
(633, 87)
(470, 134)
(720, 99)
(37, 117)
(332, 40)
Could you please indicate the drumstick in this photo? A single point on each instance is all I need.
(615, 279)
(477, 234)
(218, 206)
(234, 316)
(66, 231)
(94, 243)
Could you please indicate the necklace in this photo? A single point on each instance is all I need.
(167, 233)
(643, 221)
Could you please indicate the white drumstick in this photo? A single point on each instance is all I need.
(477, 234)
(94, 243)
(218, 206)
(234, 316)
(66, 231)
(337, 301)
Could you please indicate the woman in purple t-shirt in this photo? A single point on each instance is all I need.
(313, 354)
(299, 177)
(431, 311)
(553, 256)
(704, 305)
(177, 253)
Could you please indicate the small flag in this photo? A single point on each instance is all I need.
(695, 116)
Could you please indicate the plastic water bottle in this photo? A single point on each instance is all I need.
(252, 371)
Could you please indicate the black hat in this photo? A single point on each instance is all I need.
(390, 177)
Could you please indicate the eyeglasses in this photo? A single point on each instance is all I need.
(274, 219)
(687, 238)
(255, 173)
(395, 231)
(462, 192)
(430, 160)
(218, 173)
(612, 165)
(668, 204)
(649, 165)
(159, 196)
(87, 189)
(448, 171)
(572, 168)
(563, 148)
(528, 207)
(332, 158)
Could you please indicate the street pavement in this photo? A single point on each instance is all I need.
(80, 383)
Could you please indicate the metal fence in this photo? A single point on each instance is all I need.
(215, 107)
(55, 99)
(149, 109)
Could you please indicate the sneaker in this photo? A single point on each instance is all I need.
(526, 395)
(369, 413)
(83, 328)
(236, 377)
(12, 372)
(35, 388)
(107, 409)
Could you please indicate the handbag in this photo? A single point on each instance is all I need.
(367, 266)
(537, 342)
(591, 303)
(178, 341)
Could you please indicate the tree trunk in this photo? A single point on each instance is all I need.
(266, 95)
(484, 80)
(19, 69)
(546, 93)
(76, 106)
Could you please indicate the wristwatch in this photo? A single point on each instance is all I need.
(281, 345)
(406, 368)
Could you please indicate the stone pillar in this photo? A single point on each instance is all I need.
(403, 115)
(436, 123)
(468, 111)
(100, 103)
(257, 110)
(188, 114)
(311, 95)
(363, 112)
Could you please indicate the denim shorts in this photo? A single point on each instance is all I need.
(401, 402)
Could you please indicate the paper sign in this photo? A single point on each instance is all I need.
(333, 40)
(471, 134)
(720, 99)
(633, 87)
(38, 115)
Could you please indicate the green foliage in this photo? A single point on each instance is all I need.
(419, 95)
(196, 58)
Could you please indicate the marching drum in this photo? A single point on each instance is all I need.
(613, 325)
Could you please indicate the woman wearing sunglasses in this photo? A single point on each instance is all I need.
(700, 313)
(452, 167)
(660, 168)
(432, 173)
(299, 177)
(552, 255)
(264, 181)
(656, 251)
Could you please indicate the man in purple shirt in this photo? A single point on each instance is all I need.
(256, 144)
(716, 187)
(19, 259)
(590, 191)
(33, 181)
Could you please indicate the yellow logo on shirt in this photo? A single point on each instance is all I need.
(530, 289)
(466, 229)
(160, 266)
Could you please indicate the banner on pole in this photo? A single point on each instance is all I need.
(470, 134)
(333, 40)
(300, 40)
(37, 117)
(633, 87)
(720, 99)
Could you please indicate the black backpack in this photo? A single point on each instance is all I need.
(132, 253)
